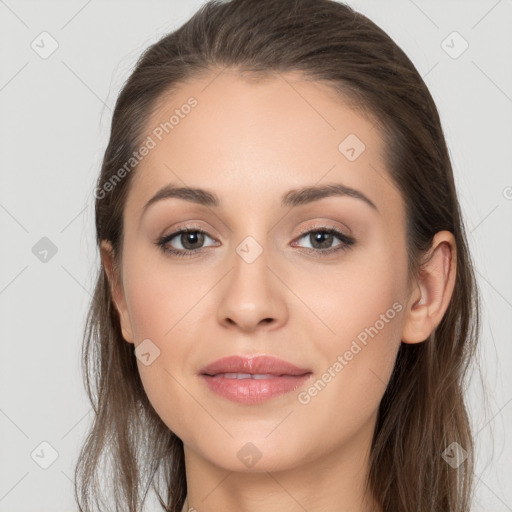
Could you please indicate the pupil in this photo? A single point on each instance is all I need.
(188, 238)
(320, 235)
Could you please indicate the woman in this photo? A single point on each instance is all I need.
(286, 306)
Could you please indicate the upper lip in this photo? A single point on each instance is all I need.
(253, 365)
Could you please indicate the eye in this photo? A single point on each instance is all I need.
(321, 240)
(190, 239)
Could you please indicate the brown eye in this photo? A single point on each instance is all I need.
(191, 241)
(321, 240)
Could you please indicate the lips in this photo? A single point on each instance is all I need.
(253, 380)
(253, 366)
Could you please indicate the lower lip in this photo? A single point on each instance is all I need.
(254, 391)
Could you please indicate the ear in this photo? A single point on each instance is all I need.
(116, 290)
(431, 294)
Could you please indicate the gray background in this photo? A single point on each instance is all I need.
(54, 123)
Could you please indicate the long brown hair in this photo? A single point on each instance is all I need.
(423, 409)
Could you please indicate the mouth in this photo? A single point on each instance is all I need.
(257, 365)
(241, 376)
(253, 380)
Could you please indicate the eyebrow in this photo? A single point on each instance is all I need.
(292, 198)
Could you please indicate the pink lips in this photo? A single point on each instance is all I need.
(261, 378)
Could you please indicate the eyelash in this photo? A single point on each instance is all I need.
(346, 241)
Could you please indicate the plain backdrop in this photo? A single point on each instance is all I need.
(55, 115)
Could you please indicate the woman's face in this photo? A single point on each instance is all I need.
(264, 279)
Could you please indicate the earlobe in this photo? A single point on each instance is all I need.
(116, 291)
(432, 292)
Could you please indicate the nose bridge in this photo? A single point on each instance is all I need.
(250, 275)
(251, 230)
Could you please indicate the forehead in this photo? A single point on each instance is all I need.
(251, 140)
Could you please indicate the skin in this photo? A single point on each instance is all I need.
(250, 142)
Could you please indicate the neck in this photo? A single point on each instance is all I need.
(332, 481)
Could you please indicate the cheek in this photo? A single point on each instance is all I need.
(342, 401)
(158, 293)
(364, 313)
(168, 307)
(358, 293)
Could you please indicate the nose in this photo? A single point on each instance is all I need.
(252, 296)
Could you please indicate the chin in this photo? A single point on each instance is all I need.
(254, 454)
